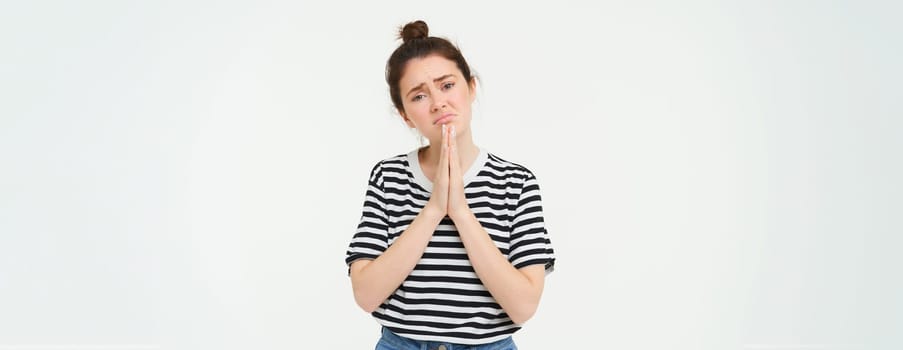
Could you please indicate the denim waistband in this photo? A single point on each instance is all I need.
(403, 343)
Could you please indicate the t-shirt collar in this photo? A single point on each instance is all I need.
(469, 175)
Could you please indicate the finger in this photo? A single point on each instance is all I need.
(442, 167)
(454, 156)
(442, 143)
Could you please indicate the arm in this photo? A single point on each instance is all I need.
(374, 280)
(516, 290)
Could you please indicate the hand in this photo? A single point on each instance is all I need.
(457, 201)
(438, 202)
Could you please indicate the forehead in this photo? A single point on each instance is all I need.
(425, 69)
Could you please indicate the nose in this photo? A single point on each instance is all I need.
(438, 104)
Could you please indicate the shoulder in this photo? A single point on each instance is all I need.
(398, 160)
(520, 178)
(388, 166)
(508, 169)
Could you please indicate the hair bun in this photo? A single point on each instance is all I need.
(414, 30)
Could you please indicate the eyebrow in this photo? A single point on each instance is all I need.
(434, 80)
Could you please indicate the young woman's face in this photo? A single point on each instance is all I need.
(434, 92)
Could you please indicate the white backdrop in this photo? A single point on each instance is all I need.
(187, 175)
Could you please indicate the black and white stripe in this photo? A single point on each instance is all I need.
(443, 299)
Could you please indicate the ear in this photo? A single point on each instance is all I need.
(473, 88)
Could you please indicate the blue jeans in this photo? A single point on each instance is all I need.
(392, 341)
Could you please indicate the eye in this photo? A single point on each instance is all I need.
(418, 97)
(447, 85)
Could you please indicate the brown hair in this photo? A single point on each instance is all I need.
(418, 44)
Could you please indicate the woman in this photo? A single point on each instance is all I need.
(451, 249)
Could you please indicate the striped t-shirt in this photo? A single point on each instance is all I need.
(443, 299)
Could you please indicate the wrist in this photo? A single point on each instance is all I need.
(432, 213)
(461, 214)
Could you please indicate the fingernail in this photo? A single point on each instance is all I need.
(453, 131)
(443, 129)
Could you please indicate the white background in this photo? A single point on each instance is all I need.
(187, 175)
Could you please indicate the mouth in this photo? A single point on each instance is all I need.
(444, 119)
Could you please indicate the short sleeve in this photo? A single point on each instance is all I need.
(530, 243)
(371, 238)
